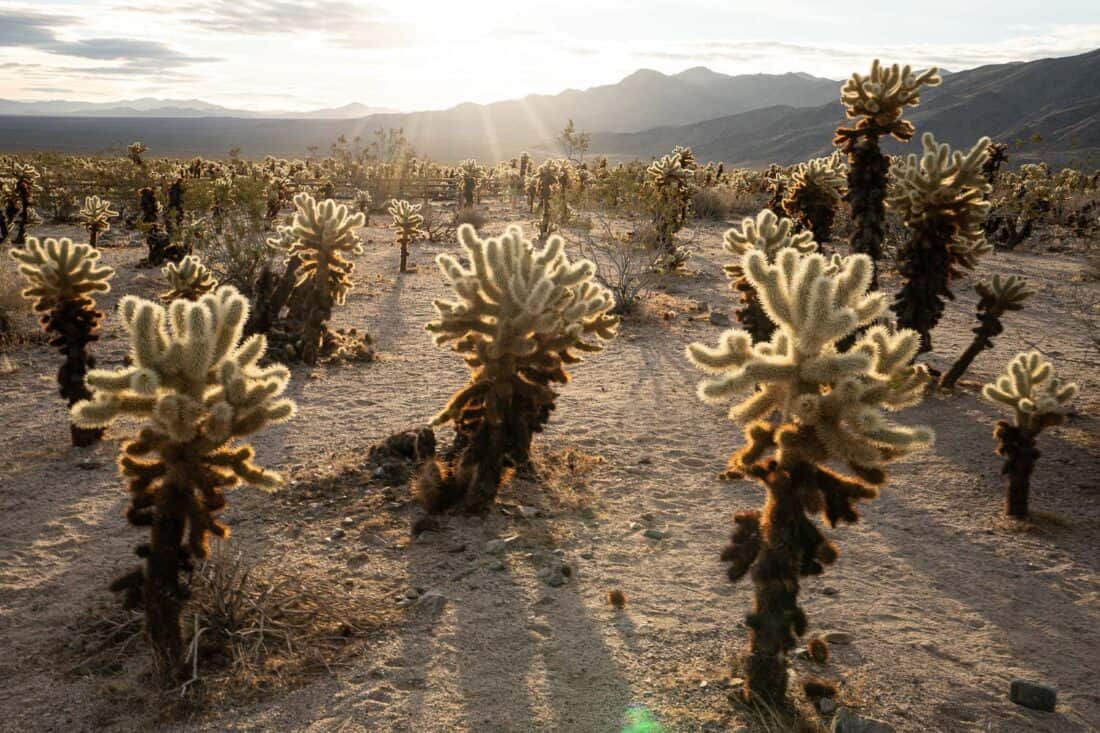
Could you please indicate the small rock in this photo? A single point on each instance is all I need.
(348, 521)
(840, 638)
(338, 534)
(719, 319)
(528, 512)
(635, 526)
(427, 538)
(848, 722)
(826, 705)
(412, 593)
(654, 534)
(829, 590)
(587, 554)
(88, 464)
(433, 601)
(1033, 695)
(554, 574)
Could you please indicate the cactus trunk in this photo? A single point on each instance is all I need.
(926, 267)
(161, 592)
(989, 327)
(867, 176)
(74, 324)
(1017, 446)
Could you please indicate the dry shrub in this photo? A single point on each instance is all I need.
(623, 265)
(470, 215)
(560, 481)
(719, 203)
(16, 318)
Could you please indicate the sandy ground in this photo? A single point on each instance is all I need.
(944, 601)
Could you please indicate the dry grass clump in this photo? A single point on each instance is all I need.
(561, 481)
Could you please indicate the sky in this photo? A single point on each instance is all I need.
(421, 54)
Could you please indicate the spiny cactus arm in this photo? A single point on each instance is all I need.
(96, 214)
(188, 278)
(767, 233)
(57, 270)
(1029, 387)
(880, 98)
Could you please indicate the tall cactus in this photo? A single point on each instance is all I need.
(877, 102)
(1037, 398)
(198, 389)
(321, 237)
(813, 195)
(995, 298)
(406, 225)
(62, 280)
(769, 235)
(520, 314)
(669, 188)
(805, 405)
(188, 279)
(940, 195)
(95, 216)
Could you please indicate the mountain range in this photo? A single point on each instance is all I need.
(151, 107)
(1050, 106)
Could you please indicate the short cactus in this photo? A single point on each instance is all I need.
(62, 280)
(198, 389)
(520, 314)
(188, 279)
(804, 405)
(941, 198)
(877, 102)
(669, 187)
(1037, 399)
(321, 237)
(768, 234)
(814, 193)
(541, 190)
(406, 224)
(995, 298)
(95, 216)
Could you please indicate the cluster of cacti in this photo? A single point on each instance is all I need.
(188, 279)
(877, 102)
(198, 388)
(805, 404)
(62, 280)
(669, 184)
(1037, 399)
(769, 235)
(813, 194)
(95, 216)
(406, 225)
(520, 315)
(940, 196)
(995, 298)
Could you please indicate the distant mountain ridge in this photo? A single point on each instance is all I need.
(749, 120)
(152, 107)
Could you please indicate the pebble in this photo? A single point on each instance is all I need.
(1033, 695)
(719, 319)
(829, 590)
(339, 534)
(840, 638)
(848, 722)
(433, 601)
(654, 534)
(826, 705)
(348, 521)
(635, 526)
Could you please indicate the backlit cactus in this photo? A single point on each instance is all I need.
(767, 234)
(541, 191)
(669, 188)
(813, 195)
(877, 102)
(406, 225)
(804, 405)
(62, 281)
(940, 196)
(321, 238)
(188, 279)
(198, 389)
(471, 173)
(19, 214)
(520, 315)
(1038, 400)
(135, 150)
(995, 298)
(95, 216)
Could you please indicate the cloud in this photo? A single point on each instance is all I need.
(29, 28)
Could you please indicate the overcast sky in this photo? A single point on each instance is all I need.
(416, 54)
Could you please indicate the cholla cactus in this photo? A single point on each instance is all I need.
(135, 150)
(198, 389)
(189, 279)
(767, 234)
(877, 102)
(995, 298)
(95, 216)
(19, 213)
(363, 202)
(472, 174)
(62, 280)
(996, 157)
(813, 194)
(321, 237)
(669, 185)
(941, 198)
(406, 224)
(541, 188)
(520, 314)
(804, 405)
(1037, 399)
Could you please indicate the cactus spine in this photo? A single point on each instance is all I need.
(807, 405)
(877, 101)
(95, 216)
(768, 234)
(198, 389)
(62, 279)
(406, 224)
(941, 198)
(188, 279)
(520, 314)
(1037, 398)
(1000, 295)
